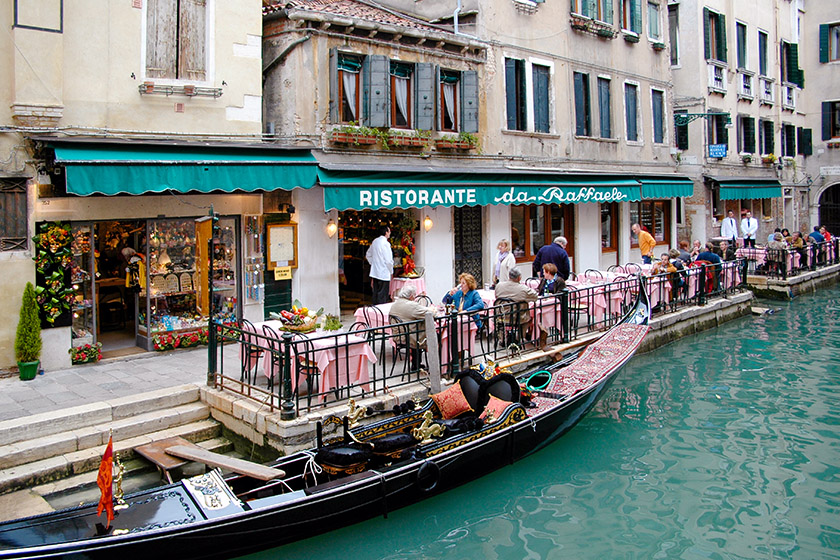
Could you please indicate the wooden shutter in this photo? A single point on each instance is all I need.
(469, 101)
(749, 134)
(721, 37)
(795, 73)
(826, 120)
(377, 90)
(824, 42)
(707, 34)
(424, 96)
(580, 116)
(631, 106)
(681, 132)
(636, 17)
(335, 101)
(805, 141)
(510, 92)
(439, 99)
(192, 56)
(161, 38)
(541, 98)
(769, 137)
(608, 10)
(591, 8)
(604, 116)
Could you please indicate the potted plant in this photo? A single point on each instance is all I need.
(768, 158)
(354, 135)
(28, 335)
(746, 157)
(463, 141)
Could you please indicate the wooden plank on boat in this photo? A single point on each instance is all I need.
(239, 466)
(156, 452)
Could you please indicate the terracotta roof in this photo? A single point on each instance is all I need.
(365, 10)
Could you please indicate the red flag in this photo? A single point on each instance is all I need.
(105, 480)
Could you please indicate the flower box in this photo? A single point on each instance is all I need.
(768, 158)
(407, 141)
(659, 46)
(444, 144)
(353, 138)
(606, 32)
(746, 157)
(579, 23)
(631, 37)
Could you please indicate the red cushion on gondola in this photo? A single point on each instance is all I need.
(452, 402)
(497, 406)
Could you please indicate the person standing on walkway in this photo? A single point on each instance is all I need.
(729, 227)
(646, 243)
(749, 226)
(504, 261)
(554, 253)
(381, 259)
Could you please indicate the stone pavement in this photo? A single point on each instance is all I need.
(108, 379)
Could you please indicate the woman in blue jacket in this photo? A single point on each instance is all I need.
(465, 297)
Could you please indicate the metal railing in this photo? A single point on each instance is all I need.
(294, 373)
(785, 263)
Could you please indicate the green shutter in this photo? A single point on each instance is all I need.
(631, 104)
(510, 92)
(424, 96)
(580, 118)
(770, 136)
(377, 90)
(636, 17)
(797, 76)
(826, 120)
(806, 143)
(824, 42)
(707, 34)
(681, 132)
(604, 108)
(658, 107)
(541, 113)
(469, 101)
(334, 100)
(721, 36)
(749, 135)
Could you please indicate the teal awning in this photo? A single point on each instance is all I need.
(360, 189)
(666, 187)
(111, 169)
(745, 188)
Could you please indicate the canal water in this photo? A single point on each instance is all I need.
(722, 445)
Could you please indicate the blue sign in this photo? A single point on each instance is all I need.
(718, 150)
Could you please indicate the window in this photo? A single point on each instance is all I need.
(631, 111)
(458, 100)
(653, 215)
(788, 140)
(515, 94)
(13, 215)
(583, 125)
(762, 53)
(714, 34)
(535, 226)
(657, 99)
(765, 137)
(542, 119)
(829, 42)
(830, 120)
(674, 32)
(631, 15)
(609, 227)
(767, 208)
(791, 72)
(604, 111)
(176, 39)
(601, 10)
(654, 30)
(681, 132)
(349, 74)
(401, 94)
(716, 129)
(746, 134)
(741, 40)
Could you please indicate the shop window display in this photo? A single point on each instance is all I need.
(81, 278)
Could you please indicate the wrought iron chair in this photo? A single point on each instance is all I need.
(404, 348)
(507, 328)
(250, 351)
(632, 268)
(532, 282)
(593, 274)
(424, 300)
(616, 268)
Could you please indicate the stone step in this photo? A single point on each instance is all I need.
(86, 460)
(92, 415)
(94, 438)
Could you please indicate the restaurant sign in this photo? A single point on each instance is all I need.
(360, 198)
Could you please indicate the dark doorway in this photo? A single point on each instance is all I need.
(468, 228)
(830, 209)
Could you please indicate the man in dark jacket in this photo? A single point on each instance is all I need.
(554, 253)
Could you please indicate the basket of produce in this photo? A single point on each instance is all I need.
(300, 319)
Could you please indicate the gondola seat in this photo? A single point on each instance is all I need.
(344, 458)
(392, 445)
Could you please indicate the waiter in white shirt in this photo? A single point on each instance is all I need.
(729, 228)
(749, 226)
(381, 259)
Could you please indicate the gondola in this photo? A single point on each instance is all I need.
(367, 472)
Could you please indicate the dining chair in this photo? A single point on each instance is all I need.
(306, 368)
(632, 268)
(250, 351)
(424, 300)
(404, 349)
(533, 282)
(593, 274)
(508, 322)
(616, 268)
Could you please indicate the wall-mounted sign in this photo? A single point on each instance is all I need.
(283, 273)
(718, 150)
(282, 245)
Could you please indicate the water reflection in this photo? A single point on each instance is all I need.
(722, 445)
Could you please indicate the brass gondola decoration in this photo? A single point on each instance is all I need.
(120, 503)
(427, 430)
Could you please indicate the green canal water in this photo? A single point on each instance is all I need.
(723, 445)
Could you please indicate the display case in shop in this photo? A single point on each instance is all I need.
(168, 301)
(82, 273)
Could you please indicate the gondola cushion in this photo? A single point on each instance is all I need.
(452, 402)
(343, 455)
(497, 406)
(392, 442)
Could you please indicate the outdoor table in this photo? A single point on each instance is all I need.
(331, 357)
(398, 282)
(374, 320)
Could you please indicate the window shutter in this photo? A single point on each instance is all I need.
(823, 42)
(681, 133)
(377, 90)
(636, 16)
(721, 37)
(631, 107)
(806, 145)
(604, 108)
(541, 114)
(770, 136)
(161, 38)
(658, 132)
(469, 101)
(438, 99)
(826, 120)
(749, 135)
(707, 34)
(797, 76)
(580, 118)
(334, 100)
(592, 8)
(510, 92)
(723, 132)
(608, 10)
(424, 96)
(192, 63)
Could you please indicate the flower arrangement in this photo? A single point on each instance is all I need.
(53, 257)
(86, 353)
(768, 158)
(407, 245)
(170, 341)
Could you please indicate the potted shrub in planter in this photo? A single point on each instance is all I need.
(768, 158)
(746, 157)
(463, 141)
(28, 335)
(354, 135)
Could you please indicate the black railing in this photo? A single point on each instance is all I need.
(294, 373)
(784, 263)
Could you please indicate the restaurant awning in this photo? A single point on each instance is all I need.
(364, 189)
(111, 169)
(666, 187)
(744, 188)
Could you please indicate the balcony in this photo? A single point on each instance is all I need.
(717, 77)
(745, 85)
(789, 97)
(766, 89)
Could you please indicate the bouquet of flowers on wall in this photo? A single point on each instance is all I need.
(407, 246)
(53, 257)
(86, 353)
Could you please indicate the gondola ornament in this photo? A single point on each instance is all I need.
(427, 430)
(355, 413)
(119, 502)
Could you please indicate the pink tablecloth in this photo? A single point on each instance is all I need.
(759, 255)
(398, 283)
(467, 330)
(340, 358)
(374, 316)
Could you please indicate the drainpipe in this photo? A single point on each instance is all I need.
(455, 17)
(282, 56)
